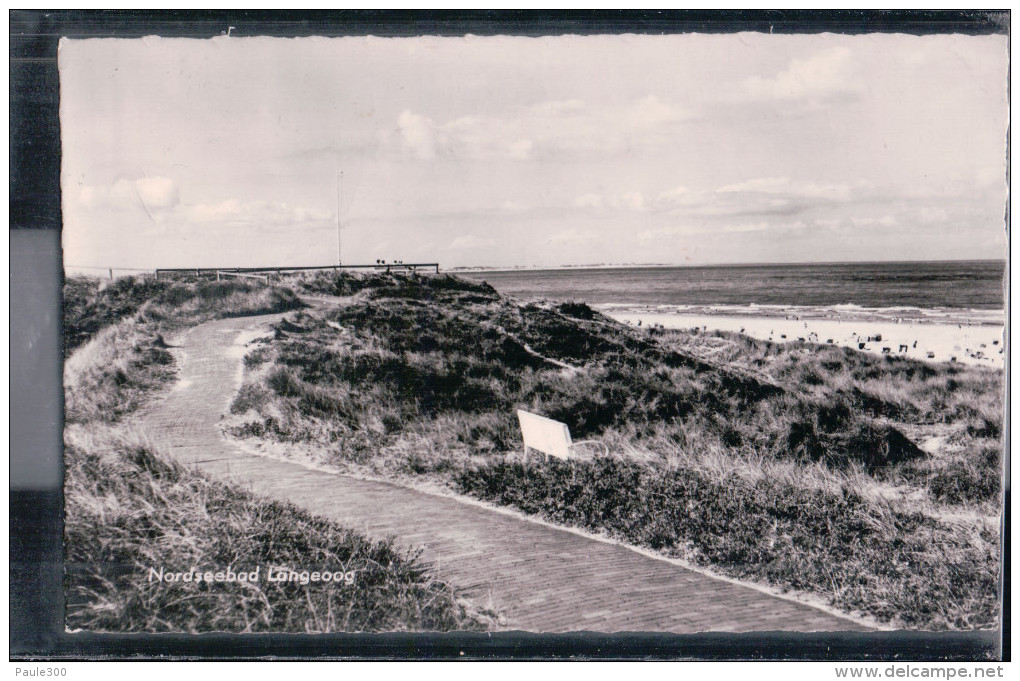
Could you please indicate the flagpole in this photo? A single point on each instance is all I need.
(339, 185)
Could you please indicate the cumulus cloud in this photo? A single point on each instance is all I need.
(158, 192)
(467, 137)
(520, 149)
(651, 111)
(418, 134)
(160, 199)
(628, 200)
(821, 76)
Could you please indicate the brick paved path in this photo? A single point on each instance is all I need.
(544, 578)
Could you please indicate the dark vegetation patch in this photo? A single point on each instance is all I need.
(963, 401)
(88, 307)
(381, 285)
(576, 310)
(91, 304)
(424, 347)
(891, 564)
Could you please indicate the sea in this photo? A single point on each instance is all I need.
(934, 291)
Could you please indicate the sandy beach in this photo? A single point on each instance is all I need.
(965, 341)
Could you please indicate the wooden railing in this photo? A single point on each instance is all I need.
(227, 271)
(243, 275)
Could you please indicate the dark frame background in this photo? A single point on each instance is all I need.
(36, 278)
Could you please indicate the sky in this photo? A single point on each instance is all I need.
(521, 151)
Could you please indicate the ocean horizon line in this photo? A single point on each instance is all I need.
(603, 266)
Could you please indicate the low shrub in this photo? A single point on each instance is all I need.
(861, 555)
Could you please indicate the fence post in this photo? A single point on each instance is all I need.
(111, 273)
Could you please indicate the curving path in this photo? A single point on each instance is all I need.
(546, 579)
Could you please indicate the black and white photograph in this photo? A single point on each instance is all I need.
(681, 333)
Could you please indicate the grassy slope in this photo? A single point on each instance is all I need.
(796, 466)
(128, 508)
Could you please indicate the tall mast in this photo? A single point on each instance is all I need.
(339, 185)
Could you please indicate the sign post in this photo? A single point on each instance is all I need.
(550, 437)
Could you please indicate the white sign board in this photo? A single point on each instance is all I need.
(545, 435)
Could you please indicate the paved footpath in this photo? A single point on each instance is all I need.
(545, 579)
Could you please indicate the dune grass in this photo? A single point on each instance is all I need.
(121, 353)
(800, 467)
(91, 304)
(129, 508)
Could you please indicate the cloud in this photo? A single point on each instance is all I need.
(932, 214)
(151, 193)
(559, 107)
(531, 131)
(669, 231)
(624, 201)
(467, 137)
(418, 134)
(513, 207)
(572, 236)
(674, 195)
(160, 199)
(260, 215)
(760, 196)
(652, 111)
(824, 75)
(470, 241)
(158, 192)
(787, 187)
(629, 200)
(520, 149)
(884, 221)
